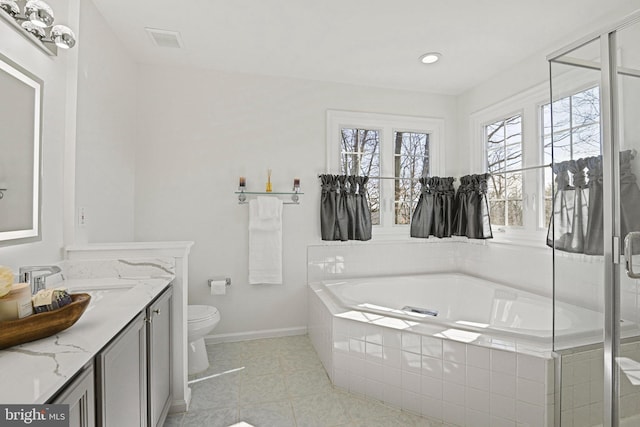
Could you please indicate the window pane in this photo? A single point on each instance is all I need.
(411, 161)
(576, 133)
(495, 133)
(504, 152)
(562, 149)
(514, 208)
(403, 212)
(561, 114)
(495, 159)
(513, 156)
(546, 119)
(496, 187)
(411, 154)
(513, 130)
(360, 155)
(497, 213)
(586, 141)
(547, 150)
(548, 204)
(407, 193)
(585, 107)
(360, 152)
(373, 194)
(514, 186)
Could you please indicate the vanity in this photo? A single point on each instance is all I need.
(130, 378)
(113, 367)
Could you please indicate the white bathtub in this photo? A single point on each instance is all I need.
(485, 359)
(467, 303)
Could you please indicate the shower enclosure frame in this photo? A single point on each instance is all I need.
(610, 137)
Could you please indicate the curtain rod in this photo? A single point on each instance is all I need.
(395, 177)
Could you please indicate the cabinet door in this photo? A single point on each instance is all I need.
(79, 395)
(122, 382)
(159, 317)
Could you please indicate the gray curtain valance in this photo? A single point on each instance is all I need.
(344, 208)
(433, 215)
(576, 224)
(472, 208)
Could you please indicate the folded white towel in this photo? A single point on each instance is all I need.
(269, 208)
(265, 240)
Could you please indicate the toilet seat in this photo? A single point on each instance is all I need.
(199, 313)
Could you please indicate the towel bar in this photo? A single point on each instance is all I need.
(295, 199)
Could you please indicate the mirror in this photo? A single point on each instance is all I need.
(20, 143)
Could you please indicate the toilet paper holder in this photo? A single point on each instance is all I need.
(227, 280)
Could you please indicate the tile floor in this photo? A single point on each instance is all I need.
(282, 384)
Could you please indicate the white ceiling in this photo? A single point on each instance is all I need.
(366, 42)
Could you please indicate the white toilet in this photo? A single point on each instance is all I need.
(201, 319)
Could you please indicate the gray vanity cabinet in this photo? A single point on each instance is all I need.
(122, 378)
(159, 361)
(134, 375)
(79, 395)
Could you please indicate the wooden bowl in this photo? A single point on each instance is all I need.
(42, 325)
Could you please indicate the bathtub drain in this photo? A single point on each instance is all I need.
(427, 311)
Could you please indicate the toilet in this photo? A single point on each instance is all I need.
(201, 319)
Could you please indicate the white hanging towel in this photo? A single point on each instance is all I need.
(265, 240)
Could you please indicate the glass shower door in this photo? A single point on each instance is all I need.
(595, 232)
(575, 147)
(626, 131)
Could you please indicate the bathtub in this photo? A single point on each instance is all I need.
(470, 352)
(466, 303)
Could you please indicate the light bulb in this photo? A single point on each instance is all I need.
(38, 32)
(63, 37)
(39, 13)
(10, 6)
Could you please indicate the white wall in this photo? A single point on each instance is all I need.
(106, 129)
(200, 130)
(53, 71)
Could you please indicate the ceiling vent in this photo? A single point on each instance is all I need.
(164, 38)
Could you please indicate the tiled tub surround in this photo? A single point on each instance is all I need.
(446, 374)
(582, 385)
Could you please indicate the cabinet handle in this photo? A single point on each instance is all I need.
(157, 311)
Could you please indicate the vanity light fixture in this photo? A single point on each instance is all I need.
(430, 58)
(37, 19)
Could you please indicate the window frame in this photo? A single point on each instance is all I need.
(506, 171)
(530, 103)
(387, 125)
(527, 105)
(581, 87)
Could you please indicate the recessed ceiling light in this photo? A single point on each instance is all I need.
(430, 58)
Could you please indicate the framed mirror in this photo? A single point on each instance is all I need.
(20, 153)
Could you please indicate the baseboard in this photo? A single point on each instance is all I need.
(253, 335)
(181, 405)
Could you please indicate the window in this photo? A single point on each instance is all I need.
(576, 133)
(394, 151)
(360, 156)
(515, 134)
(504, 153)
(410, 162)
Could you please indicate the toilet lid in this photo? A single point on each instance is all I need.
(200, 312)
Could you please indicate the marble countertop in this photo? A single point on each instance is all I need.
(35, 371)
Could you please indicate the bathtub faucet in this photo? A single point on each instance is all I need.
(35, 275)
